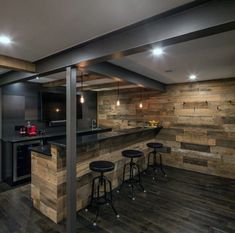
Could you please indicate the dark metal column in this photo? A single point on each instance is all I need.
(71, 146)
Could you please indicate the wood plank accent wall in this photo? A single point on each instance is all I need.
(198, 120)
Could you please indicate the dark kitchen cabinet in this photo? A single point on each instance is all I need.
(22, 160)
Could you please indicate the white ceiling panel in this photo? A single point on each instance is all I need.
(209, 58)
(40, 28)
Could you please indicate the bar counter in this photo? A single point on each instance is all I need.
(48, 187)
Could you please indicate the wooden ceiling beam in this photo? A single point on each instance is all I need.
(16, 64)
(61, 82)
(56, 83)
(111, 86)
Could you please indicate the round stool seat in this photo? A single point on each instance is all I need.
(132, 153)
(101, 166)
(154, 145)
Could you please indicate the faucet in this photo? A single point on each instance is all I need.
(144, 123)
(93, 124)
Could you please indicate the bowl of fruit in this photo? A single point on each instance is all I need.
(154, 123)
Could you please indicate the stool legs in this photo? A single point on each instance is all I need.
(131, 180)
(140, 183)
(161, 167)
(92, 191)
(99, 199)
(157, 167)
(111, 198)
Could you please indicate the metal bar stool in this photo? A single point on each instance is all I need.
(131, 181)
(99, 197)
(157, 148)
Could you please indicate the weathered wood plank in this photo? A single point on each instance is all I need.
(16, 64)
(203, 112)
(191, 146)
(195, 161)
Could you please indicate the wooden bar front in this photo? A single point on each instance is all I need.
(48, 188)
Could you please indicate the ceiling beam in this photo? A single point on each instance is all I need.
(191, 21)
(56, 83)
(108, 69)
(16, 64)
(62, 82)
(113, 85)
(14, 77)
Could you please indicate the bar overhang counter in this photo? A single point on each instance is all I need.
(48, 187)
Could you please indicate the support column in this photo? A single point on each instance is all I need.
(0, 134)
(71, 146)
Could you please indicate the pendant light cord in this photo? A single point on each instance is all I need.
(118, 90)
(82, 83)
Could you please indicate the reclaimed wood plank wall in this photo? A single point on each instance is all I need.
(198, 120)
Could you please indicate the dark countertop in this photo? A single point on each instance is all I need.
(46, 150)
(14, 139)
(92, 138)
(88, 139)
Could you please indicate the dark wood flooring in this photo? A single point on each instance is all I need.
(185, 202)
(5, 187)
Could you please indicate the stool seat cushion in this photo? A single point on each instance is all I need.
(101, 166)
(154, 145)
(132, 153)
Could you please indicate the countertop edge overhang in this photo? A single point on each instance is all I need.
(94, 138)
(89, 139)
(15, 139)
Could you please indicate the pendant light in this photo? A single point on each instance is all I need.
(118, 101)
(82, 100)
(141, 99)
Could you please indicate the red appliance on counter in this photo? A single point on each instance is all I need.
(32, 130)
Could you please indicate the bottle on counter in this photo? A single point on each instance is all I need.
(31, 129)
(22, 131)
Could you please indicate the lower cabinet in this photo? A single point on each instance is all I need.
(22, 160)
(16, 166)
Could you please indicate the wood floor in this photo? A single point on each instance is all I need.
(4, 187)
(185, 202)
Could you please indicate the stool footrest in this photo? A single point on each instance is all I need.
(101, 192)
(155, 165)
(101, 201)
(132, 181)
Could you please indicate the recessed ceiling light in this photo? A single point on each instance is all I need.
(5, 40)
(192, 77)
(157, 51)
